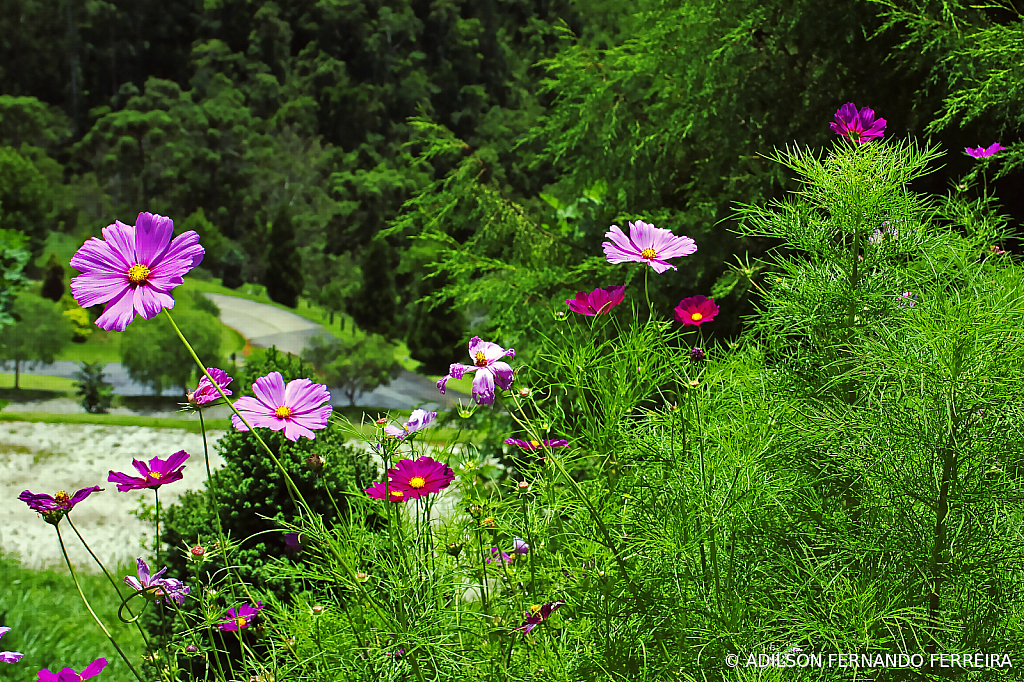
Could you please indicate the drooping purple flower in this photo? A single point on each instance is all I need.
(489, 368)
(154, 587)
(206, 392)
(157, 473)
(69, 675)
(908, 299)
(417, 420)
(597, 302)
(8, 656)
(520, 547)
(537, 615)
(240, 619)
(133, 269)
(498, 557)
(646, 244)
(55, 508)
(296, 409)
(859, 126)
(984, 152)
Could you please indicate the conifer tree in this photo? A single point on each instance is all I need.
(284, 276)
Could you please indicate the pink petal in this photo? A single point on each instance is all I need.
(620, 240)
(152, 235)
(94, 668)
(643, 235)
(270, 390)
(483, 387)
(674, 247)
(292, 430)
(93, 288)
(660, 266)
(503, 374)
(148, 302)
(118, 313)
(121, 239)
(142, 467)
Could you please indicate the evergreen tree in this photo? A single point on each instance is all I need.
(375, 306)
(284, 269)
(53, 285)
(39, 334)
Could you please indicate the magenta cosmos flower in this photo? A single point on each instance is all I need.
(207, 392)
(377, 492)
(696, 310)
(296, 409)
(488, 367)
(537, 444)
(155, 587)
(646, 244)
(597, 302)
(69, 675)
(498, 557)
(54, 508)
(417, 420)
(538, 614)
(155, 474)
(859, 126)
(241, 619)
(421, 477)
(8, 656)
(133, 269)
(984, 152)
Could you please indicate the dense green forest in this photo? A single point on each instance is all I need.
(416, 163)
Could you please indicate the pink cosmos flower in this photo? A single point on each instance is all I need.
(155, 587)
(984, 152)
(597, 302)
(488, 367)
(538, 614)
(295, 409)
(536, 444)
(417, 420)
(133, 269)
(156, 474)
(859, 126)
(646, 243)
(520, 547)
(241, 619)
(377, 492)
(8, 656)
(502, 559)
(696, 310)
(55, 508)
(420, 478)
(69, 675)
(206, 392)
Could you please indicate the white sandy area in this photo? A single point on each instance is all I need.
(46, 458)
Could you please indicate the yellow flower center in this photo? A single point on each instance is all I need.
(137, 274)
(697, 317)
(417, 482)
(61, 498)
(241, 622)
(535, 443)
(481, 359)
(397, 493)
(155, 474)
(648, 253)
(535, 608)
(283, 412)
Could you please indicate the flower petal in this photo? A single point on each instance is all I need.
(270, 390)
(152, 235)
(483, 386)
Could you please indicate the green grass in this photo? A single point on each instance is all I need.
(116, 420)
(51, 626)
(101, 346)
(37, 382)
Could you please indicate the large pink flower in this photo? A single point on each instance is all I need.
(696, 310)
(296, 409)
(646, 244)
(488, 367)
(133, 269)
(858, 125)
(984, 152)
(421, 477)
(597, 302)
(69, 675)
(155, 474)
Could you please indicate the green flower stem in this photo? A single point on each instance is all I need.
(213, 502)
(106, 573)
(74, 576)
(529, 541)
(712, 533)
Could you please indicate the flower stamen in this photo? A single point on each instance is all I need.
(283, 412)
(697, 317)
(137, 274)
(649, 253)
(417, 482)
(481, 359)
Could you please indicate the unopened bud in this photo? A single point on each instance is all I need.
(315, 463)
(198, 551)
(697, 354)
(454, 548)
(317, 610)
(523, 486)
(361, 577)
(524, 392)
(488, 522)
(381, 423)
(191, 649)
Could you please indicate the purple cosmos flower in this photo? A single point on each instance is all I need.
(155, 587)
(537, 444)
(520, 547)
(417, 420)
(133, 269)
(69, 675)
(206, 392)
(908, 299)
(859, 126)
(984, 152)
(420, 478)
(297, 408)
(294, 542)
(597, 302)
(503, 558)
(646, 243)
(488, 367)
(537, 615)
(54, 508)
(377, 492)
(8, 656)
(241, 619)
(156, 474)
(696, 310)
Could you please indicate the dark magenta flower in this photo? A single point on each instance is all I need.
(537, 444)
(488, 367)
(984, 152)
(241, 619)
(696, 310)
(69, 675)
(503, 558)
(133, 269)
(156, 587)
(294, 542)
(206, 392)
(859, 126)
(156, 474)
(597, 302)
(420, 478)
(54, 508)
(8, 656)
(537, 615)
(646, 244)
(377, 492)
(296, 409)
(417, 420)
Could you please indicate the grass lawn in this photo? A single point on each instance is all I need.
(116, 420)
(37, 382)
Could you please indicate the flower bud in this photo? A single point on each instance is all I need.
(317, 610)
(315, 463)
(197, 552)
(454, 548)
(524, 392)
(191, 649)
(523, 486)
(697, 354)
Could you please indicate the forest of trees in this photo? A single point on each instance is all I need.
(416, 163)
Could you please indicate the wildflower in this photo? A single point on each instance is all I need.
(8, 656)
(417, 420)
(646, 243)
(503, 558)
(538, 614)
(69, 675)
(996, 251)
(293, 541)
(55, 508)
(908, 299)
(377, 492)
(240, 619)
(206, 392)
(314, 462)
(133, 269)
(520, 547)
(537, 444)
(296, 408)
(597, 302)
(488, 367)
(156, 474)
(420, 478)
(984, 152)
(859, 126)
(697, 354)
(154, 587)
(696, 310)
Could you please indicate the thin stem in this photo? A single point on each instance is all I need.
(156, 497)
